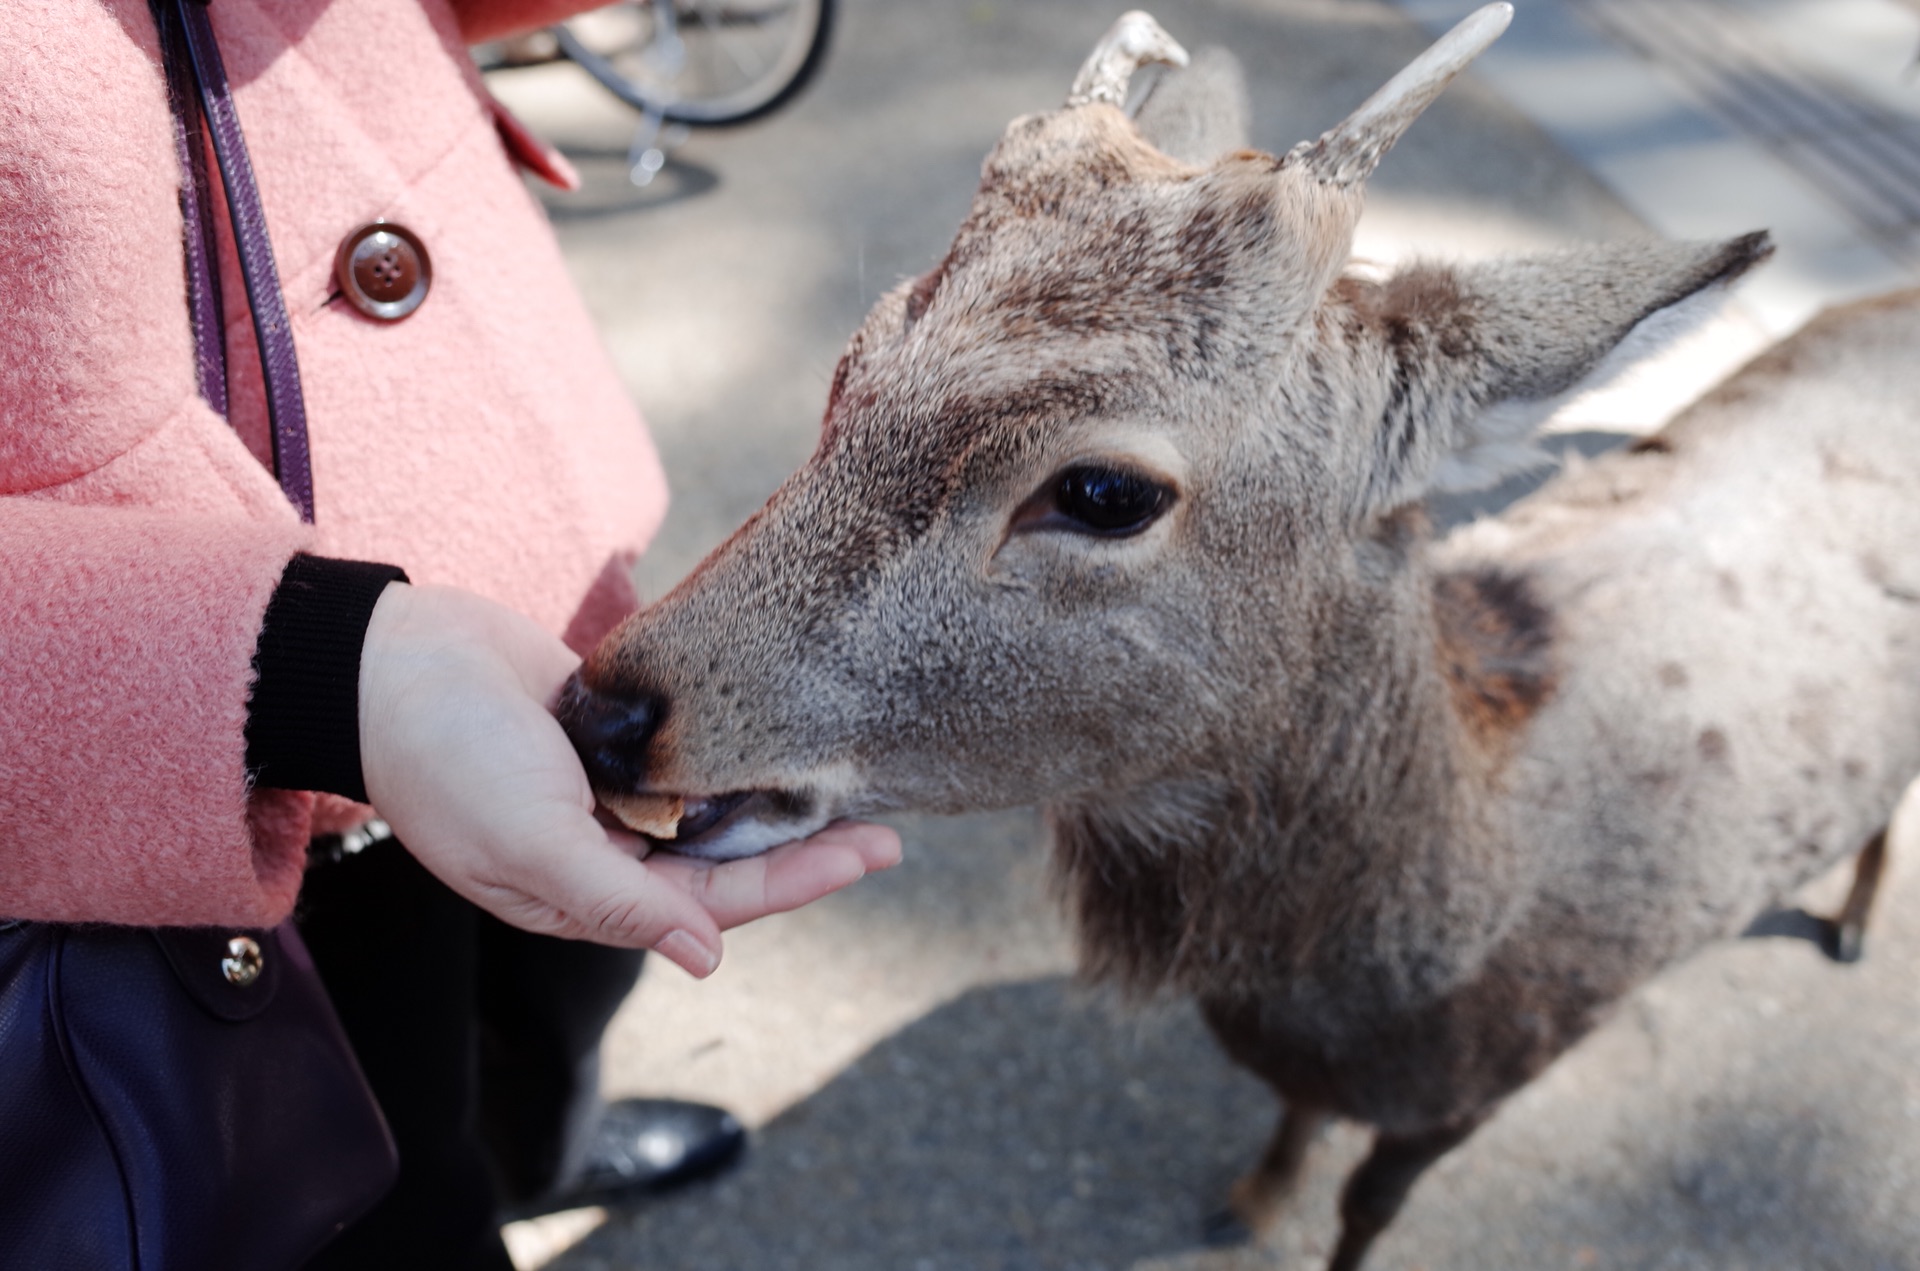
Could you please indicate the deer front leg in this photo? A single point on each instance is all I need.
(1376, 1190)
(1850, 927)
(1261, 1195)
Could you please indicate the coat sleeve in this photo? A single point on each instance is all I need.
(139, 538)
(127, 638)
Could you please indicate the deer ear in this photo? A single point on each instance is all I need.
(1200, 113)
(1481, 355)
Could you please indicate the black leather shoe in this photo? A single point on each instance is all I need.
(647, 1146)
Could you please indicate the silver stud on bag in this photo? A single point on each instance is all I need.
(243, 962)
(359, 840)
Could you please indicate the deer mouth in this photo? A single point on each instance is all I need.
(701, 815)
(728, 827)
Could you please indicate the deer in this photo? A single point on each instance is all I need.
(1121, 510)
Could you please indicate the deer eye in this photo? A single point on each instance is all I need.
(1112, 502)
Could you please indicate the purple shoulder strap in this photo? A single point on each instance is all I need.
(193, 68)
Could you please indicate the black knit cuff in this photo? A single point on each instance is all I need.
(303, 720)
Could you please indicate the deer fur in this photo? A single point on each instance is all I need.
(1407, 816)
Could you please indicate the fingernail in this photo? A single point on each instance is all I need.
(687, 953)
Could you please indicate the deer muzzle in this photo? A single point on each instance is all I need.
(613, 733)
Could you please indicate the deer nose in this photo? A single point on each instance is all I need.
(610, 733)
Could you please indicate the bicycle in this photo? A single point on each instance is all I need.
(697, 63)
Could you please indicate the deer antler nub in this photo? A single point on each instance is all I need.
(1347, 153)
(1129, 44)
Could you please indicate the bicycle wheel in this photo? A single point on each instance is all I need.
(705, 62)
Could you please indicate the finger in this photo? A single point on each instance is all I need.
(617, 900)
(878, 845)
(787, 877)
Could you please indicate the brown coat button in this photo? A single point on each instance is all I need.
(383, 271)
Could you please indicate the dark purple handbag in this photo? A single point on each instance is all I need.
(176, 1100)
(185, 1099)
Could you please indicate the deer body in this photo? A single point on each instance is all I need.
(1120, 509)
(1709, 654)
(1576, 743)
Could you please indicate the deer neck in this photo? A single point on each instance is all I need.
(1358, 847)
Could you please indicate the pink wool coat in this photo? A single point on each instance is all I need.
(484, 442)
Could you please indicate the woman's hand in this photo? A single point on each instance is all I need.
(462, 757)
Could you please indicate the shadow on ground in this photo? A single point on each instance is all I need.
(1020, 1125)
(605, 189)
(1028, 1126)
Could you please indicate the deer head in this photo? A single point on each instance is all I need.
(1095, 496)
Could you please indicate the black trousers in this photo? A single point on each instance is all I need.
(481, 1043)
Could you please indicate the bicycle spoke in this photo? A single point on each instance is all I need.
(733, 60)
